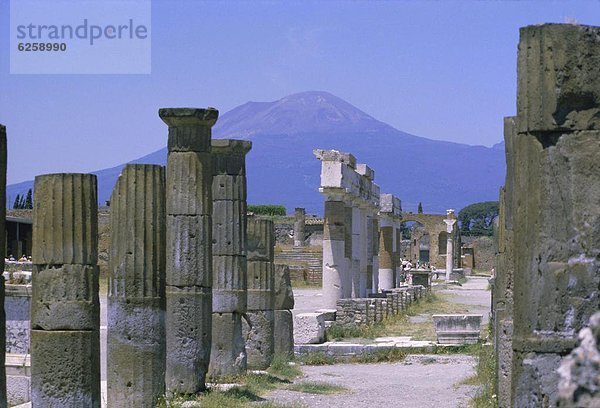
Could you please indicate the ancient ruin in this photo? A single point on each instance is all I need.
(299, 225)
(283, 303)
(3, 151)
(136, 296)
(228, 355)
(390, 216)
(65, 309)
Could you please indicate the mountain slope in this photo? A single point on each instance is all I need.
(282, 169)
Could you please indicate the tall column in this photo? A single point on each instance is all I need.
(283, 303)
(259, 326)
(450, 220)
(334, 260)
(228, 355)
(386, 255)
(3, 157)
(299, 227)
(398, 263)
(347, 277)
(356, 249)
(364, 251)
(65, 309)
(375, 252)
(136, 289)
(555, 208)
(189, 244)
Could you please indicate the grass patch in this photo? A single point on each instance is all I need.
(315, 387)
(283, 368)
(381, 356)
(317, 358)
(336, 331)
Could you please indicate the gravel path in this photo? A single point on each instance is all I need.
(419, 381)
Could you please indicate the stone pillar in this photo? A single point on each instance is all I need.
(189, 245)
(283, 303)
(3, 403)
(347, 277)
(375, 252)
(65, 309)
(258, 330)
(228, 355)
(356, 249)
(136, 288)
(299, 224)
(364, 252)
(386, 254)
(333, 249)
(555, 209)
(398, 255)
(450, 220)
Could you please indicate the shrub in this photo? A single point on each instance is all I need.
(267, 209)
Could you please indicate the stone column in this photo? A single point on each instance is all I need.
(375, 253)
(258, 329)
(386, 254)
(283, 303)
(299, 224)
(356, 249)
(347, 277)
(398, 267)
(189, 245)
(333, 249)
(65, 309)
(555, 203)
(228, 355)
(136, 288)
(3, 157)
(450, 220)
(364, 252)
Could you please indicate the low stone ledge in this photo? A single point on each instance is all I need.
(457, 328)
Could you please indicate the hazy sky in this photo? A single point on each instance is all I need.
(442, 70)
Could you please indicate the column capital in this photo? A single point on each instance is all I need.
(334, 193)
(189, 116)
(230, 146)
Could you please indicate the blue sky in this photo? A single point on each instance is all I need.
(442, 70)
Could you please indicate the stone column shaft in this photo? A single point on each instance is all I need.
(347, 276)
(228, 355)
(283, 303)
(65, 309)
(136, 298)
(364, 242)
(386, 255)
(356, 251)
(334, 260)
(3, 157)
(375, 252)
(299, 227)
(189, 246)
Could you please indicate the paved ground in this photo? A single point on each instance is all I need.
(419, 381)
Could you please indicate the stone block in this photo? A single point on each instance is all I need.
(65, 213)
(328, 314)
(227, 187)
(188, 327)
(260, 244)
(229, 236)
(284, 333)
(457, 329)
(228, 355)
(189, 128)
(334, 155)
(309, 328)
(258, 329)
(189, 184)
(260, 285)
(18, 379)
(189, 251)
(17, 305)
(282, 292)
(65, 297)
(65, 368)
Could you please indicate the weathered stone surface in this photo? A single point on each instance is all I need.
(309, 328)
(17, 305)
(260, 240)
(334, 155)
(18, 379)
(228, 355)
(189, 185)
(284, 333)
(282, 293)
(258, 329)
(299, 227)
(457, 329)
(260, 285)
(189, 251)
(558, 81)
(65, 368)
(188, 328)
(65, 212)
(229, 232)
(189, 128)
(65, 297)
(136, 298)
(230, 156)
(228, 187)
(229, 284)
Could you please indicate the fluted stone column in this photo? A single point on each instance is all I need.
(347, 276)
(334, 261)
(299, 227)
(386, 255)
(364, 251)
(65, 309)
(283, 303)
(375, 259)
(3, 157)
(450, 220)
(398, 263)
(136, 292)
(228, 355)
(259, 325)
(356, 249)
(189, 246)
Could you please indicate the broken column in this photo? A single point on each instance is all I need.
(555, 211)
(3, 157)
(189, 245)
(136, 288)
(65, 309)
(299, 227)
(450, 220)
(389, 212)
(228, 355)
(258, 328)
(283, 303)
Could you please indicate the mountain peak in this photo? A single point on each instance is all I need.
(304, 112)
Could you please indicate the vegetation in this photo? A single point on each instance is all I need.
(420, 208)
(267, 209)
(478, 219)
(23, 202)
(314, 387)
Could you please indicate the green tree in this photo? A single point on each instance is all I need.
(17, 202)
(266, 209)
(478, 219)
(29, 200)
(420, 209)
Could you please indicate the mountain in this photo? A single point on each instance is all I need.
(282, 169)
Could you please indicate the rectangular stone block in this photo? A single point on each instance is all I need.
(17, 305)
(229, 300)
(189, 251)
(229, 234)
(18, 379)
(260, 245)
(457, 329)
(188, 327)
(309, 328)
(284, 333)
(189, 183)
(65, 297)
(260, 285)
(283, 295)
(228, 355)
(227, 187)
(65, 368)
(258, 329)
